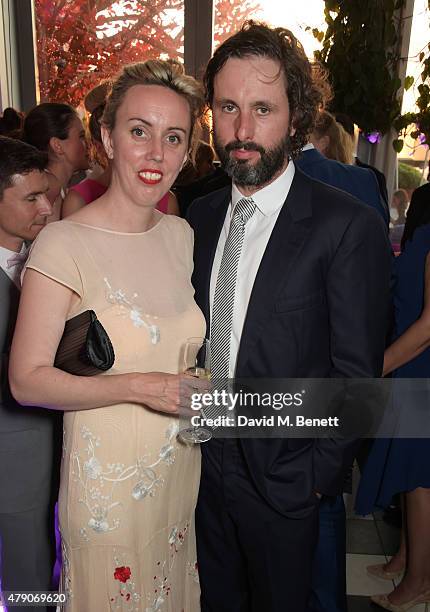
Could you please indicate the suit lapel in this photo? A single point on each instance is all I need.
(9, 301)
(283, 249)
(6, 284)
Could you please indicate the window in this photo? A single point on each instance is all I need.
(80, 43)
(299, 17)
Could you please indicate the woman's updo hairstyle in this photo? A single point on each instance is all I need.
(339, 144)
(48, 120)
(165, 74)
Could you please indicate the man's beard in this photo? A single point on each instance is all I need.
(246, 174)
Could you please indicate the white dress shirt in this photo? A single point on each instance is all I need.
(269, 201)
(13, 271)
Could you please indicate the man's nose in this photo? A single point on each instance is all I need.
(245, 127)
(44, 206)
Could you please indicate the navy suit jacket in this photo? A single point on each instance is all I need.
(359, 182)
(318, 309)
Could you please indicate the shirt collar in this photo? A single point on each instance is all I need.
(308, 147)
(269, 199)
(5, 254)
(14, 271)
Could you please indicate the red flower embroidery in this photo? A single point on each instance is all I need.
(122, 573)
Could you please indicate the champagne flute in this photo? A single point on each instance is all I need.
(196, 361)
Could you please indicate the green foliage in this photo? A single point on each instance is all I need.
(361, 50)
(317, 34)
(398, 145)
(421, 118)
(409, 81)
(409, 177)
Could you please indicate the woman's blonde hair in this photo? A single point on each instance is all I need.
(168, 74)
(402, 198)
(340, 145)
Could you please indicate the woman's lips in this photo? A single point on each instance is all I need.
(150, 177)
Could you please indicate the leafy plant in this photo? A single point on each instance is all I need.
(361, 50)
(409, 177)
(420, 119)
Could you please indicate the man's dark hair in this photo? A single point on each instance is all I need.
(11, 123)
(46, 121)
(306, 84)
(18, 157)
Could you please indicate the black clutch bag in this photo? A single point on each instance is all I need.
(85, 348)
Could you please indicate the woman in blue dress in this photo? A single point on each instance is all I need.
(402, 465)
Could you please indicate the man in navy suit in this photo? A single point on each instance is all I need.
(359, 182)
(329, 571)
(285, 266)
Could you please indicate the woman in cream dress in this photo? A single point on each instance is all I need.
(128, 486)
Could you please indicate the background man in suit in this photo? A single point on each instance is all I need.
(285, 273)
(329, 571)
(26, 434)
(359, 182)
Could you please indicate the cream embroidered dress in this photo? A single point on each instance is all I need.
(128, 486)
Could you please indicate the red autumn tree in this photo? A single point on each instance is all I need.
(81, 42)
(229, 16)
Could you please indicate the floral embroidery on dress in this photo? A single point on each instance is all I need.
(84, 535)
(122, 573)
(135, 312)
(64, 448)
(99, 482)
(176, 538)
(148, 477)
(65, 580)
(193, 571)
(162, 588)
(127, 598)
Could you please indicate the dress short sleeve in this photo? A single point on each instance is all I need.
(54, 253)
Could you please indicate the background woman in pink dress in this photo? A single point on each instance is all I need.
(57, 129)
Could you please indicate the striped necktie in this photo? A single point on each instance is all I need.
(223, 304)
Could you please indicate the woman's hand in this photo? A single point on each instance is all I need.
(36, 382)
(169, 393)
